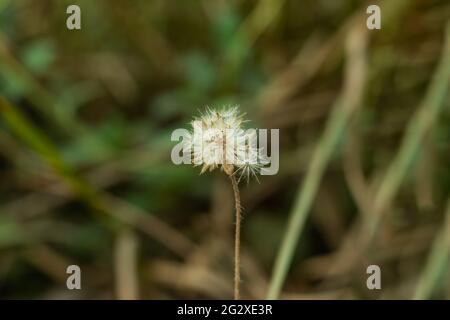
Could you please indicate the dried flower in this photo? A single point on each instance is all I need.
(218, 140)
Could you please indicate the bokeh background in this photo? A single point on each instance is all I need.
(85, 170)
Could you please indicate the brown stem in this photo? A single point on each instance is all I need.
(237, 239)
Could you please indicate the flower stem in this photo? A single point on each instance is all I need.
(237, 238)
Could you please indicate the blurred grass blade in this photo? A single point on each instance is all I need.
(437, 262)
(99, 201)
(420, 124)
(260, 19)
(355, 76)
(33, 137)
(38, 95)
(126, 257)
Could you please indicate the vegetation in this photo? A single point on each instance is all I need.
(86, 118)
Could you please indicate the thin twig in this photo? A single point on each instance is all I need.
(237, 238)
(126, 265)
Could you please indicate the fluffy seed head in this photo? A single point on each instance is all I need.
(217, 140)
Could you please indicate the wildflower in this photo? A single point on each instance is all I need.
(218, 140)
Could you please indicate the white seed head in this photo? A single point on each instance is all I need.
(217, 140)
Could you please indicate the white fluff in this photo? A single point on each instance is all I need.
(217, 140)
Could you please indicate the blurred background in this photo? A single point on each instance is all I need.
(85, 171)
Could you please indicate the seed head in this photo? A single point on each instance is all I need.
(217, 140)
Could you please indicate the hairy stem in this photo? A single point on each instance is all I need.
(237, 238)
